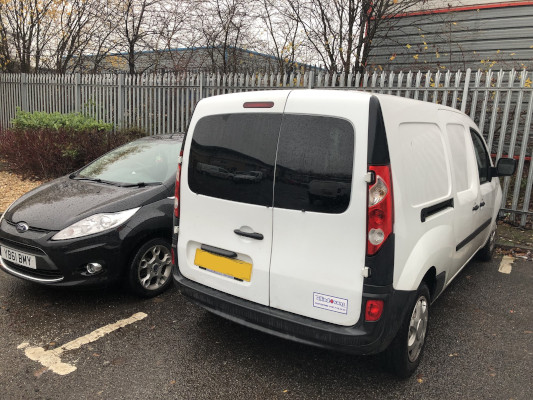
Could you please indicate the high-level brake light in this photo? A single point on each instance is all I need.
(258, 104)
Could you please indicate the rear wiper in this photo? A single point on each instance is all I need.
(141, 184)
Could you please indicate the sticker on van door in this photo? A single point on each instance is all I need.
(330, 303)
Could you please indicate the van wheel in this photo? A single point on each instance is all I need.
(150, 271)
(486, 252)
(404, 353)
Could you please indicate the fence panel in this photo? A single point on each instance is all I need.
(500, 102)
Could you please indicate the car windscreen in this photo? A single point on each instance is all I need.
(146, 161)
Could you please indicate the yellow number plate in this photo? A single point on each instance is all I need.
(227, 266)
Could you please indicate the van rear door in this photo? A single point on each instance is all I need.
(320, 205)
(225, 233)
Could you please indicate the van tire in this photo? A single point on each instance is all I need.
(401, 358)
(487, 251)
(150, 271)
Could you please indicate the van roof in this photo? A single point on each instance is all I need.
(266, 95)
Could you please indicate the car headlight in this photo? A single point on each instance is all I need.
(95, 224)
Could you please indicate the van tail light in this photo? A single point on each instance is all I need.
(373, 310)
(380, 208)
(177, 189)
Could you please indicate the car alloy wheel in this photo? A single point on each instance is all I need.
(150, 271)
(154, 267)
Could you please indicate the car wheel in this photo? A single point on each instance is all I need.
(404, 353)
(486, 252)
(150, 272)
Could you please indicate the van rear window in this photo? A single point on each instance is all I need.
(232, 157)
(314, 165)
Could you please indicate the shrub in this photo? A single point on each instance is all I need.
(46, 153)
(72, 121)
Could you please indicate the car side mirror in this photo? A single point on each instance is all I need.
(505, 167)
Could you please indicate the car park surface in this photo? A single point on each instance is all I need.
(485, 351)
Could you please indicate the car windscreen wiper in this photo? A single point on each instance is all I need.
(81, 178)
(142, 184)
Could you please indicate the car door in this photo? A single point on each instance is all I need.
(467, 194)
(225, 234)
(487, 188)
(319, 218)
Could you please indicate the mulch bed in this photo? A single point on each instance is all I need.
(12, 186)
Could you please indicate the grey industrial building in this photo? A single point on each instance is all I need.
(455, 35)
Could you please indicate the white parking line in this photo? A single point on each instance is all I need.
(51, 358)
(506, 265)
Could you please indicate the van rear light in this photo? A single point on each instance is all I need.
(258, 104)
(380, 212)
(373, 310)
(177, 188)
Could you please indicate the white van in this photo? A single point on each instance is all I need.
(368, 207)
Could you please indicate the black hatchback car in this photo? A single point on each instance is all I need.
(109, 221)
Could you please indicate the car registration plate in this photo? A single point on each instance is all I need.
(18, 257)
(228, 266)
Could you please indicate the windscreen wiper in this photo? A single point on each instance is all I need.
(98, 180)
(142, 184)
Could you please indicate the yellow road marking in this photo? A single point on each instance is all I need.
(51, 358)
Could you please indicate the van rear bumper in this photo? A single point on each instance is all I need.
(361, 338)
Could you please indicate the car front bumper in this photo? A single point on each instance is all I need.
(63, 263)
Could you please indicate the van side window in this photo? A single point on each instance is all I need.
(482, 157)
(457, 137)
(232, 157)
(314, 165)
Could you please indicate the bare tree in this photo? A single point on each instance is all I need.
(26, 25)
(177, 29)
(225, 26)
(283, 40)
(73, 30)
(340, 32)
(6, 59)
(137, 22)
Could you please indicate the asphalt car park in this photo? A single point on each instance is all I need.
(121, 347)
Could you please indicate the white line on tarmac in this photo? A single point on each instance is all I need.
(51, 358)
(506, 265)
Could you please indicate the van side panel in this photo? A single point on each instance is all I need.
(422, 185)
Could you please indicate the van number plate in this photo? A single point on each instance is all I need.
(223, 265)
(19, 258)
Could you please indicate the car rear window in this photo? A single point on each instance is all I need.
(314, 165)
(232, 157)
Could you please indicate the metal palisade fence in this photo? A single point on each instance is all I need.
(500, 102)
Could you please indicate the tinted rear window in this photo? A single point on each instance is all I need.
(232, 157)
(314, 166)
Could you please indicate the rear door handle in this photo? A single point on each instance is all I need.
(252, 235)
(481, 204)
(476, 207)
